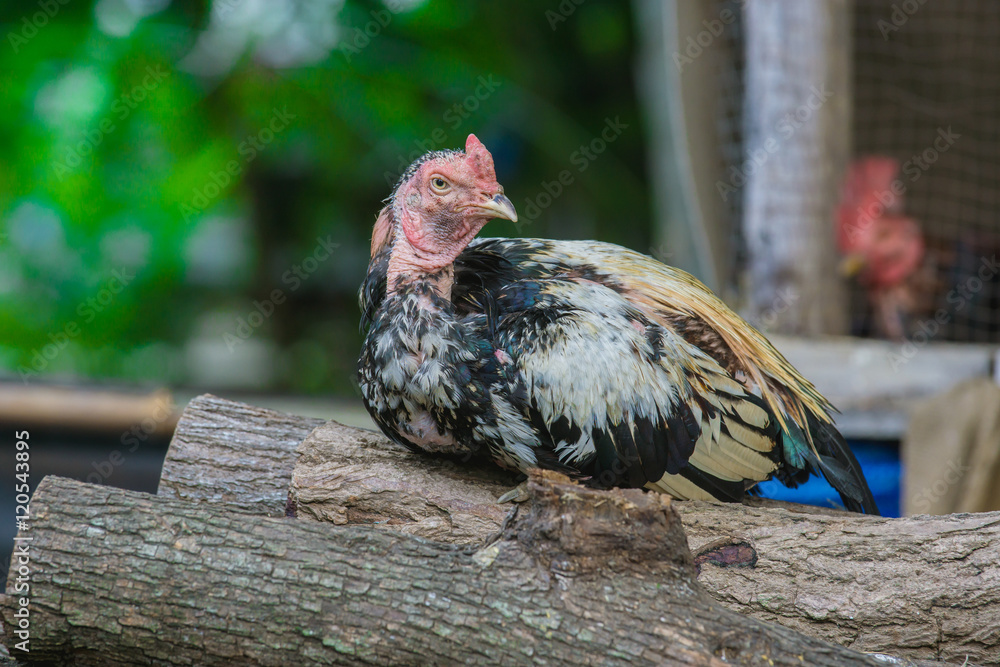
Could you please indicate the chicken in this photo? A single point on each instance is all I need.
(879, 242)
(576, 356)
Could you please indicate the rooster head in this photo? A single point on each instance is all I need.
(868, 193)
(894, 252)
(439, 205)
(877, 240)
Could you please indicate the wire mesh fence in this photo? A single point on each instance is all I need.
(926, 107)
(927, 93)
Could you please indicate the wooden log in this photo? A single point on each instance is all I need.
(864, 595)
(846, 578)
(6, 660)
(86, 408)
(351, 476)
(354, 476)
(580, 577)
(925, 587)
(229, 452)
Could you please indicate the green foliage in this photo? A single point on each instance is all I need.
(164, 176)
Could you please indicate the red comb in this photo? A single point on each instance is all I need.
(479, 159)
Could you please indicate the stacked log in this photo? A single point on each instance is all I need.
(276, 540)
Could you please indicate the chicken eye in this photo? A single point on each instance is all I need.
(439, 184)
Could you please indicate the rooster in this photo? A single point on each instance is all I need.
(575, 356)
(883, 246)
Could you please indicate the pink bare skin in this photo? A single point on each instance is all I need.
(896, 251)
(884, 247)
(437, 213)
(872, 232)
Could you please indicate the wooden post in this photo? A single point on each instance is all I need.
(798, 138)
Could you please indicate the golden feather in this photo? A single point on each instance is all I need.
(665, 292)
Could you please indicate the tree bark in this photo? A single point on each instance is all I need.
(923, 587)
(229, 452)
(579, 577)
(5, 658)
(846, 578)
(350, 476)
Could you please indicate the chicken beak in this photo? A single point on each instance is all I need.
(499, 207)
(852, 264)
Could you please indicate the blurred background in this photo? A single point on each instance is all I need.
(187, 191)
(211, 153)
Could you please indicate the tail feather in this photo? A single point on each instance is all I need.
(827, 452)
(839, 466)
